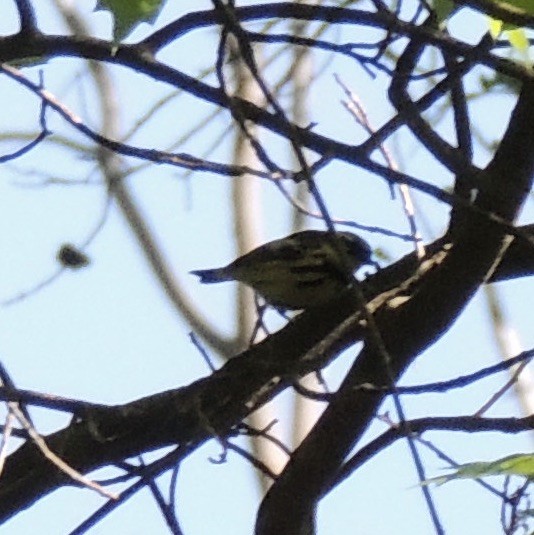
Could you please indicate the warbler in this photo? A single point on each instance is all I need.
(300, 271)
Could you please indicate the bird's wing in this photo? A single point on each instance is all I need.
(283, 250)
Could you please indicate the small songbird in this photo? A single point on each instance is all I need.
(300, 271)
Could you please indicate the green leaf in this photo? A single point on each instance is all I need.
(515, 35)
(525, 5)
(127, 14)
(442, 9)
(521, 464)
(518, 39)
(495, 27)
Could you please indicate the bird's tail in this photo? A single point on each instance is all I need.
(208, 276)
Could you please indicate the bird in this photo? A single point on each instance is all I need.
(303, 270)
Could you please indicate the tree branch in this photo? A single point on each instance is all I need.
(406, 330)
